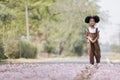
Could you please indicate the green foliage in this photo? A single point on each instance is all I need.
(20, 49)
(27, 49)
(5, 14)
(46, 47)
(61, 20)
(70, 27)
(12, 49)
(2, 55)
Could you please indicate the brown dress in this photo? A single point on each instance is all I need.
(93, 48)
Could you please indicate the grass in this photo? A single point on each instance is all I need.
(113, 56)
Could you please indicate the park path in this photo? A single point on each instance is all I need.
(59, 70)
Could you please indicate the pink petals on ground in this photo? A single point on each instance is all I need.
(62, 71)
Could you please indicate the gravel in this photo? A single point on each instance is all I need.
(59, 72)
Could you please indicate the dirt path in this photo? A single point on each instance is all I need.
(59, 72)
(87, 73)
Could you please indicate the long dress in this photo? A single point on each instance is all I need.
(93, 48)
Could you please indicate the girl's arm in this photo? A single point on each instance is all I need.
(88, 36)
(96, 37)
(87, 33)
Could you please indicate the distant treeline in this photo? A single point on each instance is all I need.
(56, 27)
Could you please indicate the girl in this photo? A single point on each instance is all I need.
(92, 34)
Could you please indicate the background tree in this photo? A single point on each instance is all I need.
(57, 25)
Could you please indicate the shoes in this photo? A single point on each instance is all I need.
(97, 65)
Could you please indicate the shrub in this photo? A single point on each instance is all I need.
(12, 49)
(27, 49)
(46, 47)
(2, 55)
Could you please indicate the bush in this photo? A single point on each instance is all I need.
(27, 49)
(2, 55)
(20, 49)
(78, 48)
(12, 49)
(46, 47)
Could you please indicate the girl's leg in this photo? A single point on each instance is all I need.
(91, 58)
(91, 54)
(97, 53)
(97, 56)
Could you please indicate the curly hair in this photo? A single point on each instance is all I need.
(96, 18)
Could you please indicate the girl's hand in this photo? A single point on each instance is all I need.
(90, 39)
(93, 41)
